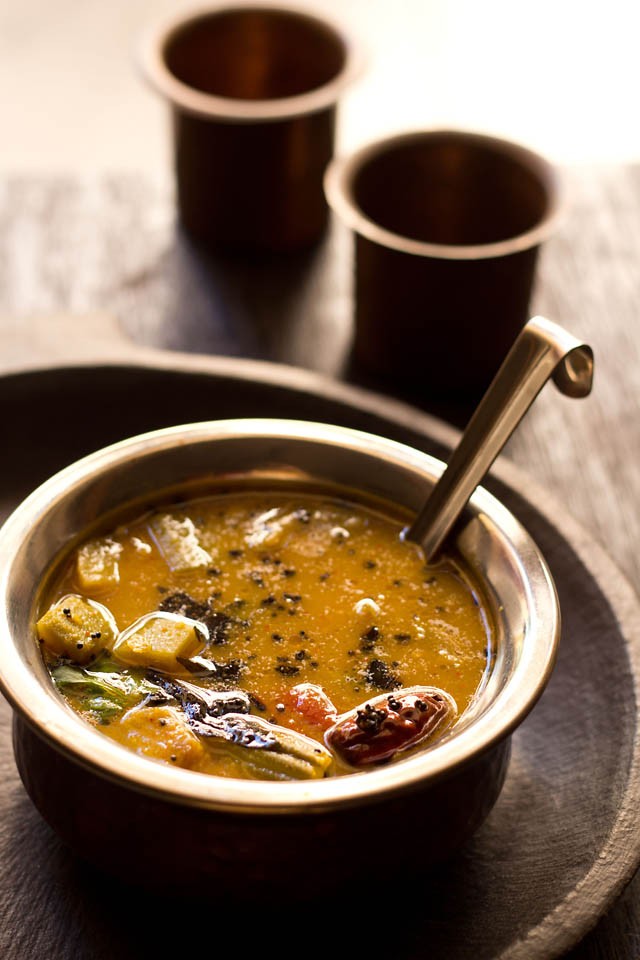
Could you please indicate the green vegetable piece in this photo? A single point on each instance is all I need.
(104, 691)
(178, 542)
(77, 628)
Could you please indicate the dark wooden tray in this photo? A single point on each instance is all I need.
(564, 837)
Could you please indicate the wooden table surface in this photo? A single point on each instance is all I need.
(68, 282)
(82, 250)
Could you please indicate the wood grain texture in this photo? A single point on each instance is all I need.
(74, 252)
(557, 846)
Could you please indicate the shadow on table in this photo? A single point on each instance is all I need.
(295, 309)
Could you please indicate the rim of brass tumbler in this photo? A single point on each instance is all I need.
(341, 188)
(346, 63)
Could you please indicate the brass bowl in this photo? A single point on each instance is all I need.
(245, 834)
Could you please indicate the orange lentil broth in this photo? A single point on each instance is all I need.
(306, 589)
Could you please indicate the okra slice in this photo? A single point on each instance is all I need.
(158, 639)
(201, 703)
(266, 765)
(269, 750)
(178, 542)
(382, 728)
(77, 628)
(97, 567)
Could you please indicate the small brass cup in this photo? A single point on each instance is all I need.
(448, 226)
(253, 91)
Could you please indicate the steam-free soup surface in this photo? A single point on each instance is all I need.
(320, 640)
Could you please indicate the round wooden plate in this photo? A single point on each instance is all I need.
(562, 841)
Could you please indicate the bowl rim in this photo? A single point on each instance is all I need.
(153, 68)
(45, 711)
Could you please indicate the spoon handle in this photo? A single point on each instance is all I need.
(541, 350)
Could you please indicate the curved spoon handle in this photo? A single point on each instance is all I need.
(541, 350)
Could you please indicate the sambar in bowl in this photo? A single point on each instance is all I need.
(215, 637)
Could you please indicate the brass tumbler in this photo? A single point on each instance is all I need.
(448, 226)
(253, 91)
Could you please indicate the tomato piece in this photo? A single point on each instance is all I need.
(311, 702)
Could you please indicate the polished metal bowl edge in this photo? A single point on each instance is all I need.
(491, 539)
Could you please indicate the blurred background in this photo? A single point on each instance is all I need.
(561, 75)
(88, 235)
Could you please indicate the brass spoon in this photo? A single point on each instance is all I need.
(542, 349)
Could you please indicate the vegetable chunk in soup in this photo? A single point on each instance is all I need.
(270, 635)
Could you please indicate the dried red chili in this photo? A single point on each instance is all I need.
(376, 731)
